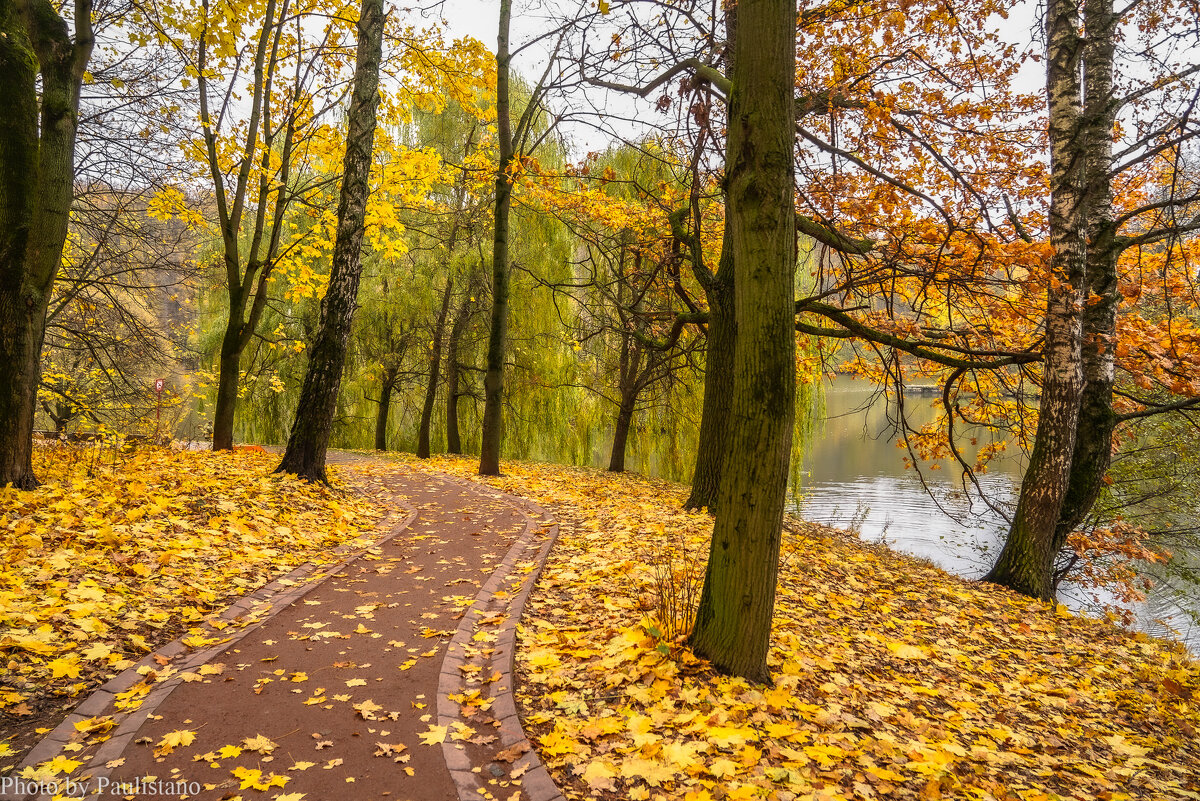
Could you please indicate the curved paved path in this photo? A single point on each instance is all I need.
(389, 679)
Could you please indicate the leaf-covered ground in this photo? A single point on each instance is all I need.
(106, 561)
(893, 679)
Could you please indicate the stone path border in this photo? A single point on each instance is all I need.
(502, 597)
(531, 548)
(253, 610)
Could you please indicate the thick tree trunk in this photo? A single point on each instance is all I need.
(718, 385)
(385, 406)
(21, 320)
(733, 621)
(37, 172)
(1026, 562)
(616, 460)
(309, 440)
(1097, 420)
(493, 379)
(228, 382)
(435, 362)
(453, 373)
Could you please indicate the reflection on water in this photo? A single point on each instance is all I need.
(854, 476)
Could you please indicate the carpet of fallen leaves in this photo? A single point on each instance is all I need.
(104, 562)
(893, 679)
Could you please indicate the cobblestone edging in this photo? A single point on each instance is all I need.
(251, 611)
(502, 596)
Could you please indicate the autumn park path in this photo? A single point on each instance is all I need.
(389, 678)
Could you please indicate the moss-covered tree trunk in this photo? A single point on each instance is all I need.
(309, 439)
(493, 379)
(733, 621)
(1025, 563)
(718, 384)
(37, 174)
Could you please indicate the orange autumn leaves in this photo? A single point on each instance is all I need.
(98, 569)
(892, 678)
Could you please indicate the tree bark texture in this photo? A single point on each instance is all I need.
(309, 440)
(733, 621)
(493, 379)
(1097, 420)
(718, 384)
(37, 174)
(1025, 563)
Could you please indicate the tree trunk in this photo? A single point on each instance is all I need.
(435, 362)
(493, 379)
(1097, 420)
(1026, 562)
(385, 405)
(733, 621)
(722, 333)
(461, 317)
(37, 174)
(718, 384)
(616, 461)
(305, 454)
(228, 382)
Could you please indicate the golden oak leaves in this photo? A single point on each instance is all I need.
(892, 678)
(96, 567)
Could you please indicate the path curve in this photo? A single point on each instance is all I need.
(347, 675)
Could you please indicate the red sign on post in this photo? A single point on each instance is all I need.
(158, 384)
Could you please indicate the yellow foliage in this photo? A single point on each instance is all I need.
(99, 569)
(892, 678)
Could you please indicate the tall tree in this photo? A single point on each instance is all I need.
(309, 439)
(1086, 105)
(1092, 451)
(493, 378)
(514, 143)
(37, 171)
(252, 192)
(733, 621)
(1026, 560)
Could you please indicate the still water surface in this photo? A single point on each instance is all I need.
(854, 476)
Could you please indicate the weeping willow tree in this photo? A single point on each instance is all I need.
(556, 377)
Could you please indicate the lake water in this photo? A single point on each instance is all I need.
(854, 476)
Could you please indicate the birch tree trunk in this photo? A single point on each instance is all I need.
(1026, 562)
(1097, 420)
